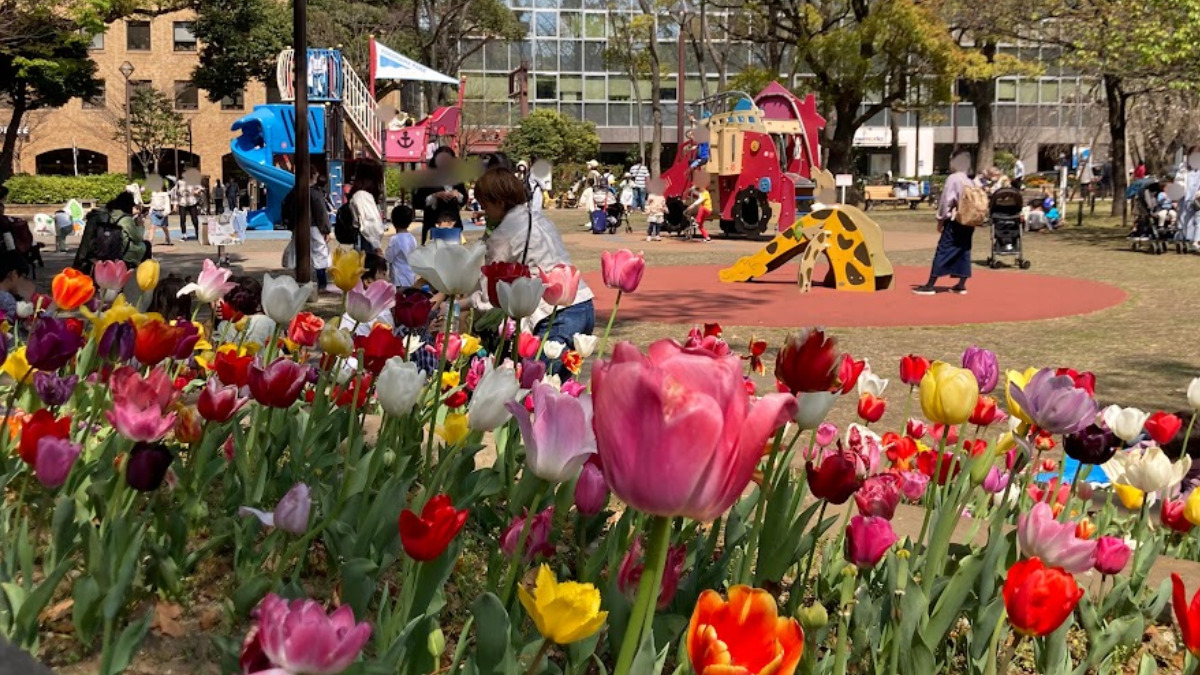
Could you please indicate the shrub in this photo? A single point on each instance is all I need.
(28, 189)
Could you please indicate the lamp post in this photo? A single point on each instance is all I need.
(681, 10)
(127, 72)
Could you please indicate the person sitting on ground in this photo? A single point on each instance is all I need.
(399, 246)
(14, 283)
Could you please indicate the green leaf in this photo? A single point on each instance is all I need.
(359, 578)
(63, 529)
(126, 571)
(431, 577)
(127, 644)
(85, 614)
(951, 601)
(249, 593)
(35, 602)
(492, 655)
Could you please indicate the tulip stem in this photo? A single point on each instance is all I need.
(537, 658)
(437, 383)
(849, 585)
(612, 316)
(1187, 435)
(641, 619)
(765, 491)
(1007, 654)
(931, 489)
(549, 326)
(812, 552)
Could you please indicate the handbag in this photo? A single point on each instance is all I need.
(289, 256)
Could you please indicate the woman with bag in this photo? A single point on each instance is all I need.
(957, 228)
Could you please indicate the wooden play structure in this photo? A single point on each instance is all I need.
(852, 243)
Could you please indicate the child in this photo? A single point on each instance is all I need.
(14, 282)
(401, 244)
(703, 208)
(656, 211)
(446, 228)
(1164, 209)
(63, 226)
(167, 302)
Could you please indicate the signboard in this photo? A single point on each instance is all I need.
(222, 231)
(405, 145)
(873, 137)
(843, 180)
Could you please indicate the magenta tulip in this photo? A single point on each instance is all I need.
(140, 424)
(537, 542)
(1041, 536)
(868, 538)
(219, 404)
(879, 496)
(913, 484)
(1112, 554)
(827, 433)
(591, 492)
(278, 385)
(55, 457)
(676, 431)
(298, 637)
(622, 270)
(562, 284)
(996, 481)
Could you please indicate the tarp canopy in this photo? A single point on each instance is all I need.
(392, 65)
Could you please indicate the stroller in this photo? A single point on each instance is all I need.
(1004, 216)
(1143, 194)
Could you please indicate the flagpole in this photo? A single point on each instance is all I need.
(371, 67)
(75, 156)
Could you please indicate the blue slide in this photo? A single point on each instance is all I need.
(268, 131)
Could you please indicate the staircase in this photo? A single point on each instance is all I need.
(345, 87)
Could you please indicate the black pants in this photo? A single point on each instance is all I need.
(194, 210)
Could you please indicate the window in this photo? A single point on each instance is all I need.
(593, 25)
(187, 96)
(96, 101)
(137, 36)
(1050, 90)
(97, 42)
(570, 88)
(593, 90)
(546, 88)
(185, 39)
(134, 85)
(547, 24)
(1006, 91)
(235, 102)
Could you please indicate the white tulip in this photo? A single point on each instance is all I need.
(450, 267)
(24, 309)
(497, 387)
(1126, 423)
(520, 298)
(553, 349)
(813, 408)
(346, 370)
(399, 386)
(1148, 471)
(553, 380)
(412, 343)
(1193, 391)
(283, 298)
(870, 383)
(585, 344)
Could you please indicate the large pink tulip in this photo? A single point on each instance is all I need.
(298, 637)
(111, 275)
(366, 304)
(562, 284)
(1041, 536)
(676, 431)
(868, 538)
(622, 270)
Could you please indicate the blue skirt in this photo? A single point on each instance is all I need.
(953, 256)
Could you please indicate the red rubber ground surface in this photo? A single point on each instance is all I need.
(694, 294)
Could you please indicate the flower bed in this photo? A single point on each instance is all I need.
(514, 515)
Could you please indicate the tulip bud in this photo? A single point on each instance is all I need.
(1193, 391)
(147, 275)
(980, 468)
(436, 642)
(812, 618)
(335, 341)
(591, 492)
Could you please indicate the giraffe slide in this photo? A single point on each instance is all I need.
(852, 243)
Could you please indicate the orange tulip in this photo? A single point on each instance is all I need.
(155, 340)
(745, 635)
(72, 288)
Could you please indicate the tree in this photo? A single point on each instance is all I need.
(546, 134)
(240, 41)
(154, 126)
(44, 63)
(624, 54)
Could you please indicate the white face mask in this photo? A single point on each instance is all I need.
(1194, 160)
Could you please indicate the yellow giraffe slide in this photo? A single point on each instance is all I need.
(852, 242)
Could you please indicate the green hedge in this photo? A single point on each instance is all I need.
(27, 189)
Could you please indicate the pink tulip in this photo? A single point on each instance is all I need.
(212, 284)
(868, 538)
(622, 270)
(562, 283)
(573, 388)
(55, 457)
(453, 347)
(916, 429)
(630, 574)
(365, 305)
(140, 424)
(676, 431)
(559, 438)
(866, 446)
(591, 492)
(537, 542)
(1041, 536)
(129, 387)
(879, 496)
(826, 434)
(298, 637)
(527, 345)
(475, 373)
(996, 481)
(913, 484)
(1112, 554)
(219, 404)
(111, 275)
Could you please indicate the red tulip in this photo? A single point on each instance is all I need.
(1039, 598)
(502, 271)
(427, 536)
(912, 369)
(900, 449)
(808, 362)
(1163, 427)
(1084, 380)
(41, 424)
(233, 369)
(343, 396)
(975, 448)
(305, 328)
(836, 479)
(939, 429)
(527, 345)
(927, 463)
(871, 408)
(457, 400)
(155, 340)
(1172, 516)
(848, 372)
(1188, 615)
(219, 404)
(378, 346)
(278, 385)
(915, 428)
(987, 412)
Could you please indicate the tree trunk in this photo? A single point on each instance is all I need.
(1117, 101)
(982, 95)
(894, 122)
(10, 139)
(841, 141)
(656, 139)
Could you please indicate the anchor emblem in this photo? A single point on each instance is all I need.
(405, 141)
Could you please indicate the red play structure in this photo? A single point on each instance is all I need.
(760, 151)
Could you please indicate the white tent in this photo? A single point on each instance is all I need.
(392, 65)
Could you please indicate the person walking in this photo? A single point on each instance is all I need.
(1018, 174)
(318, 222)
(160, 211)
(1189, 210)
(232, 193)
(186, 202)
(953, 255)
(640, 173)
(218, 197)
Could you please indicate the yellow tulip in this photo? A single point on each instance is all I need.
(1191, 508)
(347, 268)
(1017, 379)
(470, 345)
(1130, 496)
(948, 394)
(563, 612)
(450, 379)
(147, 275)
(1005, 443)
(15, 366)
(455, 428)
(118, 312)
(335, 341)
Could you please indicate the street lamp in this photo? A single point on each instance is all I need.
(680, 10)
(127, 72)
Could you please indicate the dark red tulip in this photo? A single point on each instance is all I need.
(808, 362)
(836, 479)
(147, 466)
(502, 271)
(412, 308)
(278, 385)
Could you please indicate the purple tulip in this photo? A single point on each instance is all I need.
(1112, 554)
(52, 344)
(996, 481)
(55, 457)
(1094, 445)
(187, 343)
(591, 492)
(290, 514)
(117, 342)
(982, 362)
(1055, 404)
(1041, 536)
(537, 542)
(52, 389)
(147, 465)
(868, 538)
(532, 372)
(3, 348)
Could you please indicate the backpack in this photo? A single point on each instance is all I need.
(972, 207)
(345, 228)
(108, 239)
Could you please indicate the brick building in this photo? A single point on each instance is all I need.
(88, 135)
